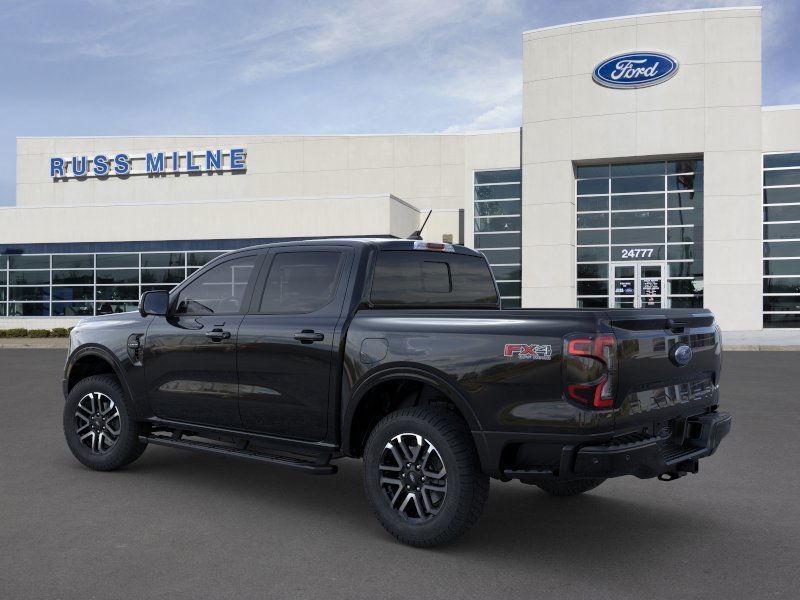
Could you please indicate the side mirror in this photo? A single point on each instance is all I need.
(155, 302)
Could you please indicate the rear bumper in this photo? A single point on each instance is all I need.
(653, 457)
(637, 455)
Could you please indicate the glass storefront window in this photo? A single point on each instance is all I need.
(28, 309)
(80, 284)
(117, 276)
(496, 228)
(107, 308)
(63, 277)
(117, 292)
(73, 261)
(498, 223)
(648, 214)
(498, 192)
(198, 259)
(781, 247)
(503, 257)
(29, 277)
(72, 309)
(34, 261)
(500, 207)
(162, 275)
(593, 220)
(85, 292)
(111, 261)
(164, 259)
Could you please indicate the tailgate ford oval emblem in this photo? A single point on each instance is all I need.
(681, 354)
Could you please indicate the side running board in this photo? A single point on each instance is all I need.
(320, 466)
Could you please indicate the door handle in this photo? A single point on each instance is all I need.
(217, 335)
(308, 336)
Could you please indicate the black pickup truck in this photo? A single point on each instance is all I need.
(299, 353)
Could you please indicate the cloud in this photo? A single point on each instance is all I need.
(498, 117)
(338, 33)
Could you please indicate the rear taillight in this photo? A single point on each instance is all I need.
(590, 370)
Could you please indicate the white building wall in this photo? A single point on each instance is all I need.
(780, 127)
(430, 172)
(711, 107)
(379, 214)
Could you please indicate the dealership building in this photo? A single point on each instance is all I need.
(645, 173)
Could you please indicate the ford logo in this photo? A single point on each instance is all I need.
(635, 70)
(681, 354)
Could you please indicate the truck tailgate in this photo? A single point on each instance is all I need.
(655, 392)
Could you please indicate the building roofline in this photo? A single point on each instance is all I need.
(262, 135)
(781, 107)
(652, 14)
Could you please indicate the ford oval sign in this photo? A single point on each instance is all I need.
(635, 70)
(681, 354)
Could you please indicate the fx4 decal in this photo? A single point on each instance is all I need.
(529, 351)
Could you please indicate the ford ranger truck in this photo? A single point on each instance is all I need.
(397, 352)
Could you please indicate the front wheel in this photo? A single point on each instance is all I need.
(98, 425)
(422, 476)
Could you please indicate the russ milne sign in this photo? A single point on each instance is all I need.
(635, 70)
(151, 163)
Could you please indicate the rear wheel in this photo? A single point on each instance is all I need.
(569, 488)
(422, 476)
(98, 426)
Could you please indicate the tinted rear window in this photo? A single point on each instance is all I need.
(404, 278)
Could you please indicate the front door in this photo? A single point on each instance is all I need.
(190, 354)
(288, 342)
(637, 285)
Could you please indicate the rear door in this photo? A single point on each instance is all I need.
(288, 341)
(654, 386)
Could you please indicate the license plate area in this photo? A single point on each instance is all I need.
(677, 431)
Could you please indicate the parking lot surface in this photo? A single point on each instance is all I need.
(182, 525)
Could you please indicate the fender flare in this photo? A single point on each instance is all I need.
(107, 356)
(400, 371)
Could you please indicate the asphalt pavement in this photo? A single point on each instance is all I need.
(177, 524)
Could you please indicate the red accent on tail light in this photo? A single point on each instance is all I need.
(600, 392)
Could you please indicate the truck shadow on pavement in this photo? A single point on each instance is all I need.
(603, 526)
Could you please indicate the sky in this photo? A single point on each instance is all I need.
(162, 67)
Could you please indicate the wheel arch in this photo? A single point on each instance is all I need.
(95, 360)
(361, 397)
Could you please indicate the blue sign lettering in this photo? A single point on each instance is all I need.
(635, 70)
(120, 164)
(56, 167)
(100, 164)
(237, 159)
(154, 163)
(79, 166)
(213, 160)
(190, 166)
(123, 166)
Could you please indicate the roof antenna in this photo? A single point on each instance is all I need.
(417, 235)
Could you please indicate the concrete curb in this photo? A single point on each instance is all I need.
(760, 348)
(43, 343)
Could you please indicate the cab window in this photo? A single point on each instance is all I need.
(301, 282)
(220, 290)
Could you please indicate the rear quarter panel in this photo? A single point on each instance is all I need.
(466, 348)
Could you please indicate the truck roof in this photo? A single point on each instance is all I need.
(380, 243)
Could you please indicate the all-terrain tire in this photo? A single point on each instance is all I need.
(96, 391)
(467, 487)
(569, 488)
